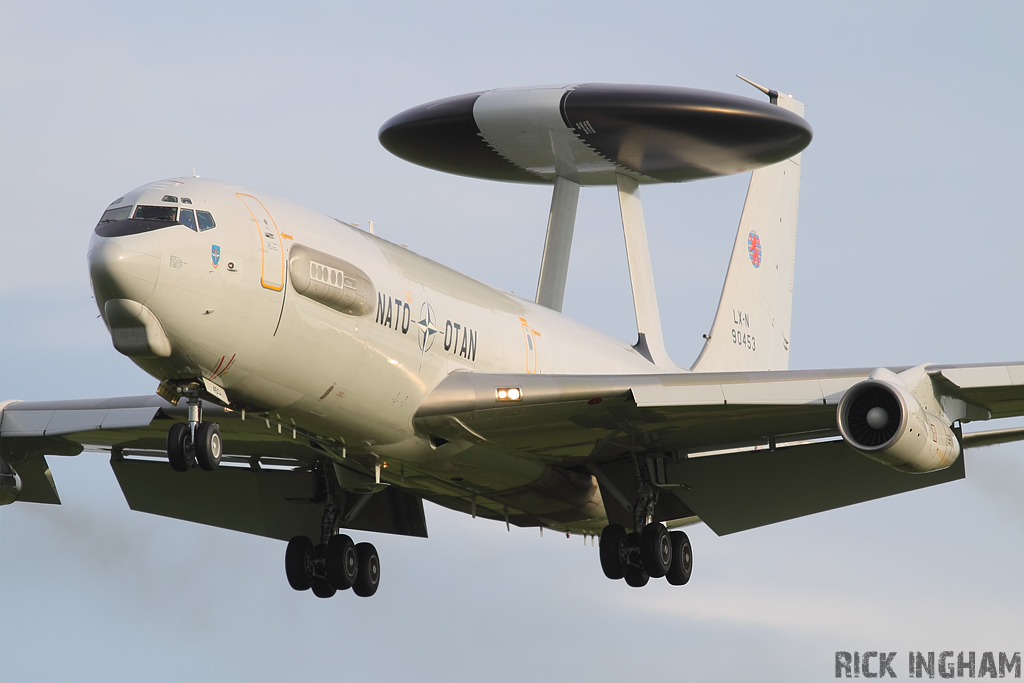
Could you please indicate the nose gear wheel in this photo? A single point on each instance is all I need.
(194, 443)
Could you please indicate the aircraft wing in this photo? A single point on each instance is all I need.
(272, 489)
(738, 450)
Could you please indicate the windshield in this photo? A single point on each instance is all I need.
(205, 220)
(187, 218)
(116, 214)
(156, 213)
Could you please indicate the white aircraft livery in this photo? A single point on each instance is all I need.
(315, 380)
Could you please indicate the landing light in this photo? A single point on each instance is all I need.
(509, 394)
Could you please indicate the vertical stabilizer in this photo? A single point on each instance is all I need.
(752, 326)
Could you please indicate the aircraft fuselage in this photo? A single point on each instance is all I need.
(226, 301)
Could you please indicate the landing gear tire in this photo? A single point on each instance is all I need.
(636, 577)
(298, 563)
(178, 442)
(655, 550)
(614, 550)
(682, 559)
(322, 588)
(208, 445)
(368, 572)
(342, 562)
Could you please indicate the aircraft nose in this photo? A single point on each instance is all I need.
(124, 267)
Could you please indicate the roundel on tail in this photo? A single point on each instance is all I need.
(754, 248)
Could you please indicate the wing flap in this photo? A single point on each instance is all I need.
(796, 392)
(659, 396)
(738, 491)
(272, 503)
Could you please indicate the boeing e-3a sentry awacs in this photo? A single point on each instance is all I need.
(315, 379)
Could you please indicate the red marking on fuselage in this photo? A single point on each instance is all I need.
(214, 373)
(226, 367)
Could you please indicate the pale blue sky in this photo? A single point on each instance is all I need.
(909, 251)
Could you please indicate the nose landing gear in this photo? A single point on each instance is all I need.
(194, 443)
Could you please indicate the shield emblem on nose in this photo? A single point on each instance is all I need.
(215, 255)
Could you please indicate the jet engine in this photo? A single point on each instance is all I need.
(10, 484)
(885, 422)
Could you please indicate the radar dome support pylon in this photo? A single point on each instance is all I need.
(554, 263)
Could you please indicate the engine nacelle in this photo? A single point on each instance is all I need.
(885, 422)
(10, 484)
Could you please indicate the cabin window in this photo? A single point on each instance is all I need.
(206, 221)
(187, 217)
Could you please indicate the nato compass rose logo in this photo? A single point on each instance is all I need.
(215, 255)
(427, 327)
(754, 248)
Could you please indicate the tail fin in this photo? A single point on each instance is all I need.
(751, 328)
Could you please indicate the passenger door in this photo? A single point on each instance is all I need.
(272, 272)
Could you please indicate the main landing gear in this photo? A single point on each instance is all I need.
(652, 553)
(335, 566)
(336, 563)
(195, 443)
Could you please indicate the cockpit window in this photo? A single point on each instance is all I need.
(187, 217)
(186, 200)
(156, 213)
(206, 221)
(118, 213)
(170, 198)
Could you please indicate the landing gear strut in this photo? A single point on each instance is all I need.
(194, 443)
(336, 563)
(651, 551)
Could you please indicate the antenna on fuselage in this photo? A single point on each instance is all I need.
(194, 174)
(356, 225)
